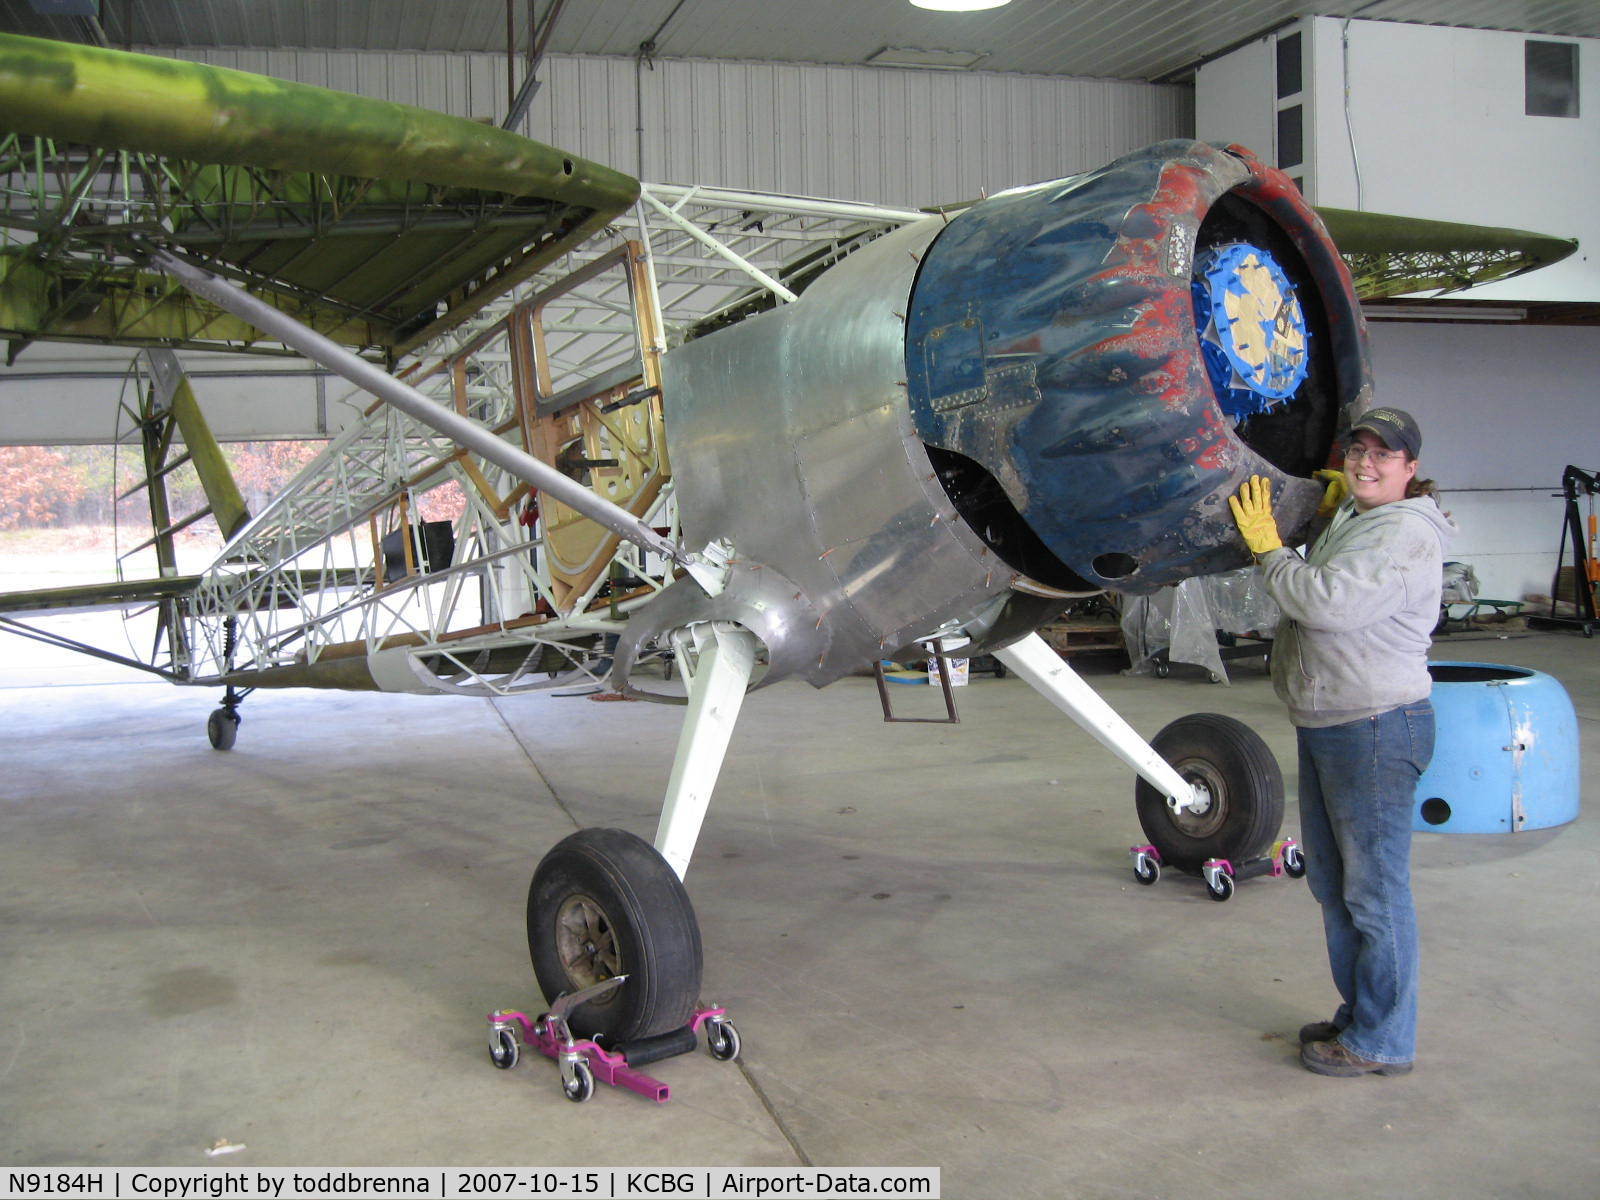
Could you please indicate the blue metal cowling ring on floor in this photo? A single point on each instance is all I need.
(1505, 755)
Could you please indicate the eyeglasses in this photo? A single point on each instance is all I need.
(1381, 458)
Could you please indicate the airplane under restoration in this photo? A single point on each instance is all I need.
(761, 437)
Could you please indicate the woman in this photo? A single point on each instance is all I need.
(1350, 662)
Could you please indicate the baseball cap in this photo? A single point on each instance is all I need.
(1396, 427)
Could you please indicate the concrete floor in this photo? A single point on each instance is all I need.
(929, 937)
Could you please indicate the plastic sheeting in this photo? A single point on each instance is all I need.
(1181, 623)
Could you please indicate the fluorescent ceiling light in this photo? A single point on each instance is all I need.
(959, 5)
(1441, 312)
(939, 60)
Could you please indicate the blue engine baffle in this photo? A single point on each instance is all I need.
(1505, 755)
(1252, 331)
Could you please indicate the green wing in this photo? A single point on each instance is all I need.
(1394, 256)
(376, 223)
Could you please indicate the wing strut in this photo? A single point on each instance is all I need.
(462, 430)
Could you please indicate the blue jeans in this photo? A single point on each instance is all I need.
(1358, 786)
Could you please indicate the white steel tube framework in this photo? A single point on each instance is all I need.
(463, 431)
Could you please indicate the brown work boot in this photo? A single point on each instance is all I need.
(1335, 1058)
(1319, 1031)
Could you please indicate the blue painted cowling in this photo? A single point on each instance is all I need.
(1506, 754)
(1081, 419)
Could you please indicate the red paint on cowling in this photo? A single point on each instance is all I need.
(1163, 333)
(1217, 440)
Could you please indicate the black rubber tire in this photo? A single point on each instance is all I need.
(1148, 872)
(608, 891)
(1224, 889)
(505, 1052)
(222, 728)
(1294, 863)
(722, 1041)
(582, 1086)
(1246, 786)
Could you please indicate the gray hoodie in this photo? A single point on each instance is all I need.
(1358, 612)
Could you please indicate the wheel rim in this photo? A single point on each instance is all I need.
(1202, 824)
(587, 943)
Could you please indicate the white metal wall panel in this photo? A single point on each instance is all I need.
(889, 136)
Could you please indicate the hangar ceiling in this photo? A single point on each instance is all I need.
(1123, 39)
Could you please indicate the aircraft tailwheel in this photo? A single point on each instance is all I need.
(222, 728)
(603, 903)
(1238, 781)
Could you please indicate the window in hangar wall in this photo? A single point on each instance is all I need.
(1550, 78)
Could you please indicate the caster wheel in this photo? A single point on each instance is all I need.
(1222, 889)
(1294, 863)
(503, 1049)
(722, 1040)
(1147, 870)
(222, 728)
(581, 1086)
(1213, 677)
(1162, 670)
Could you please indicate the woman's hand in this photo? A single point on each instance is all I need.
(1338, 489)
(1252, 512)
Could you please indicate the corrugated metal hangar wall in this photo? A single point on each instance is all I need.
(856, 133)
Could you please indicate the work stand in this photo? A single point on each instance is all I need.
(1585, 568)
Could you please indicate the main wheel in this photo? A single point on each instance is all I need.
(1241, 782)
(222, 728)
(604, 903)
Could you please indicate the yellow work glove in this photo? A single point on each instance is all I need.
(1338, 489)
(1252, 512)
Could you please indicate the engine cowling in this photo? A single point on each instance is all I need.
(1098, 364)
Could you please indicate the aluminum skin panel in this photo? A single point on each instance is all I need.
(791, 440)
